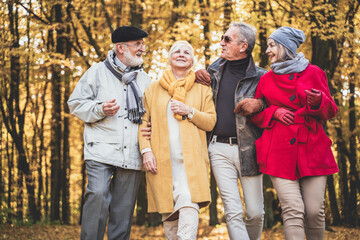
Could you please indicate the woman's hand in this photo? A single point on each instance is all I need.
(284, 115)
(149, 162)
(179, 107)
(313, 97)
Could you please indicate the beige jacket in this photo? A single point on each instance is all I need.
(193, 141)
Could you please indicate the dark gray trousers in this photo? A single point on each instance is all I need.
(111, 192)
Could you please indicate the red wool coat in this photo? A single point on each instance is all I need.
(301, 149)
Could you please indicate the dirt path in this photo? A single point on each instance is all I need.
(60, 232)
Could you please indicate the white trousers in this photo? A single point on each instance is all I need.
(225, 163)
(185, 228)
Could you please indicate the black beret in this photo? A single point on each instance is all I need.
(127, 33)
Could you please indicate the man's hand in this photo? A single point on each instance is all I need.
(202, 77)
(149, 162)
(313, 97)
(284, 115)
(146, 132)
(110, 108)
(248, 106)
(179, 108)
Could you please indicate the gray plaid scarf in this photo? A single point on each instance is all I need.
(134, 98)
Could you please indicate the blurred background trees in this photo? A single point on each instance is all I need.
(47, 45)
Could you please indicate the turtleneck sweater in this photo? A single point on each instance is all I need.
(233, 73)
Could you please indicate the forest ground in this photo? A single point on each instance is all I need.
(55, 232)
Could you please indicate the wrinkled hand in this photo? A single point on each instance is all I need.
(313, 97)
(284, 115)
(248, 106)
(179, 107)
(110, 108)
(146, 132)
(149, 162)
(202, 77)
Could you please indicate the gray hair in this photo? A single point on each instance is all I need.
(247, 33)
(284, 53)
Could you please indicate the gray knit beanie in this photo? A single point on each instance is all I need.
(289, 37)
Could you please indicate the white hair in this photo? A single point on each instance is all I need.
(176, 47)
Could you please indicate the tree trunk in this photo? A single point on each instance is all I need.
(66, 148)
(141, 206)
(55, 162)
(56, 136)
(136, 14)
(227, 14)
(19, 195)
(214, 220)
(10, 158)
(353, 217)
(263, 35)
(336, 220)
(83, 183)
(2, 189)
(66, 154)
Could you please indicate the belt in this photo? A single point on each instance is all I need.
(229, 140)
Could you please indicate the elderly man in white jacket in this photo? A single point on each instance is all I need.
(108, 99)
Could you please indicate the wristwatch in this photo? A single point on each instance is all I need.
(191, 114)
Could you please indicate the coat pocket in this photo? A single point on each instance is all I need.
(319, 154)
(262, 147)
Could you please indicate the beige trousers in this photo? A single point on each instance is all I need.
(185, 228)
(302, 204)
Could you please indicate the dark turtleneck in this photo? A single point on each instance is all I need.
(234, 71)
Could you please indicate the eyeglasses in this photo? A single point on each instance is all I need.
(137, 45)
(226, 39)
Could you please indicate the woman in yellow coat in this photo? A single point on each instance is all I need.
(176, 157)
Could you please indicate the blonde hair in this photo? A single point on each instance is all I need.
(176, 47)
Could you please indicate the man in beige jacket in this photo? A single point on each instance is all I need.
(108, 99)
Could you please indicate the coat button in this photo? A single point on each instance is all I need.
(125, 127)
(292, 98)
(124, 146)
(292, 141)
(291, 77)
(183, 117)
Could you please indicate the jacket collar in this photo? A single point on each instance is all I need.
(218, 67)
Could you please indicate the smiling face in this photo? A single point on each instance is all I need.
(131, 52)
(181, 57)
(231, 48)
(272, 51)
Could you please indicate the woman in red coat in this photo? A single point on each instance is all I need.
(294, 149)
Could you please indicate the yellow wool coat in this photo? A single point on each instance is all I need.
(193, 141)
